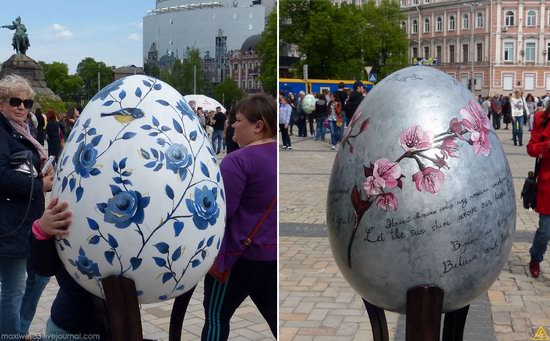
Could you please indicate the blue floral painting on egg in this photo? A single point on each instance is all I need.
(173, 152)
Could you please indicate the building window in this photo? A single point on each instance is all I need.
(439, 25)
(531, 18)
(404, 27)
(508, 51)
(451, 23)
(465, 22)
(479, 52)
(438, 52)
(415, 52)
(415, 26)
(530, 52)
(235, 66)
(451, 53)
(171, 21)
(426, 52)
(249, 15)
(509, 19)
(415, 2)
(250, 27)
(244, 85)
(465, 53)
(548, 52)
(479, 23)
(426, 25)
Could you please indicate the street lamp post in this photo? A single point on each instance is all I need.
(472, 6)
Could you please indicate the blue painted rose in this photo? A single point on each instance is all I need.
(178, 159)
(186, 110)
(87, 267)
(125, 208)
(84, 159)
(204, 208)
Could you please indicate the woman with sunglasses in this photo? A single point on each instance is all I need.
(22, 187)
(250, 181)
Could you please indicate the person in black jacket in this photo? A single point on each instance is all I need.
(22, 188)
(41, 128)
(321, 110)
(54, 133)
(354, 99)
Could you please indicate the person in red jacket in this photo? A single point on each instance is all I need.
(539, 146)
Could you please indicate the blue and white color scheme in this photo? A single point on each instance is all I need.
(145, 189)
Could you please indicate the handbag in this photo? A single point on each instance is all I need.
(225, 261)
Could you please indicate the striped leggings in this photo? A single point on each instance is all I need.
(257, 279)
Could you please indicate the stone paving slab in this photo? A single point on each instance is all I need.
(316, 303)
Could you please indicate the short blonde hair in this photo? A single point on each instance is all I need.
(13, 85)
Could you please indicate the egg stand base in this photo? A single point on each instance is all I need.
(423, 319)
(123, 312)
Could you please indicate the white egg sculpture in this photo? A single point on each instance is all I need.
(308, 103)
(145, 189)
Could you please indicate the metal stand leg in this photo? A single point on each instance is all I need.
(424, 308)
(378, 322)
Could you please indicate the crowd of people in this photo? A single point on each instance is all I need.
(29, 225)
(333, 111)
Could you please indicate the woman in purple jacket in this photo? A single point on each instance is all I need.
(250, 180)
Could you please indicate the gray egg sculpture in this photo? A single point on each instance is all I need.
(145, 188)
(420, 193)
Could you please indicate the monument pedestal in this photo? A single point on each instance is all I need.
(21, 65)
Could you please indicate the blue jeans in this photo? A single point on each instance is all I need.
(320, 131)
(217, 135)
(334, 133)
(33, 290)
(540, 242)
(13, 272)
(53, 332)
(517, 129)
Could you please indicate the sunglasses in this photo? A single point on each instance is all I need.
(16, 102)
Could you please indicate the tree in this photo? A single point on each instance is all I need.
(151, 70)
(228, 92)
(88, 70)
(192, 60)
(68, 87)
(267, 49)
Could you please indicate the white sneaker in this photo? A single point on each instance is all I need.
(333, 147)
(289, 147)
(284, 147)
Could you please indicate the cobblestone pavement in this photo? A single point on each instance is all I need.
(247, 323)
(317, 304)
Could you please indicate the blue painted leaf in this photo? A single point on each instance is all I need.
(160, 261)
(166, 277)
(122, 163)
(87, 123)
(210, 240)
(169, 192)
(92, 223)
(161, 141)
(115, 189)
(127, 182)
(165, 128)
(218, 244)
(108, 103)
(79, 192)
(115, 166)
(201, 244)
(109, 256)
(117, 179)
(161, 156)
(128, 135)
(95, 172)
(222, 194)
(146, 83)
(95, 140)
(156, 122)
(154, 133)
(195, 263)
(157, 86)
(155, 153)
(126, 173)
(158, 167)
(64, 183)
(151, 164)
(162, 247)
(138, 92)
(73, 263)
(146, 127)
(81, 252)
(204, 169)
(181, 287)
(122, 94)
(139, 293)
(203, 254)
(61, 247)
(101, 207)
(177, 254)
(91, 132)
(65, 160)
(163, 102)
(178, 227)
(177, 126)
(193, 135)
(66, 242)
(218, 177)
(163, 297)
(94, 240)
(135, 262)
(112, 241)
(144, 154)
